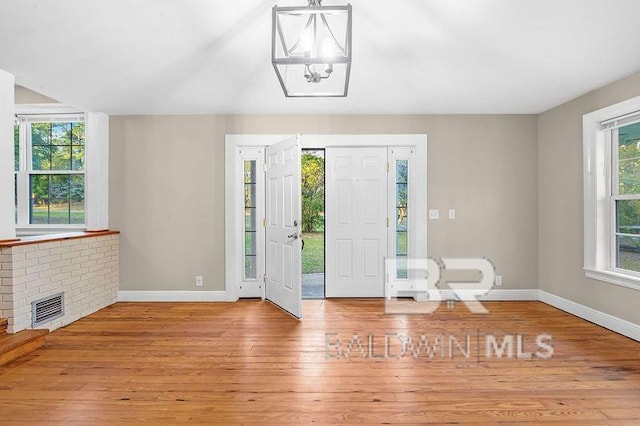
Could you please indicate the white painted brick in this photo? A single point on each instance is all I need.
(79, 272)
(49, 245)
(88, 252)
(36, 269)
(87, 270)
(61, 263)
(32, 293)
(105, 250)
(61, 250)
(17, 288)
(6, 274)
(24, 279)
(81, 259)
(97, 256)
(46, 274)
(70, 255)
(25, 263)
(6, 258)
(37, 284)
(97, 243)
(36, 254)
(60, 277)
(74, 242)
(49, 289)
(49, 259)
(72, 267)
(25, 249)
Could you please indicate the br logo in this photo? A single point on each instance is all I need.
(416, 280)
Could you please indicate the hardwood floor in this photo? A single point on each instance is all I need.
(248, 362)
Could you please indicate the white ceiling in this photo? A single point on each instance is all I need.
(410, 56)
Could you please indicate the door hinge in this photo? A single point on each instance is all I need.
(264, 278)
(387, 222)
(265, 167)
(264, 223)
(388, 167)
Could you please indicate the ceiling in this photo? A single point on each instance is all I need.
(409, 56)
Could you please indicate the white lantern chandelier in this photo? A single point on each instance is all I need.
(311, 49)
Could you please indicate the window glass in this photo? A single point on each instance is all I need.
(626, 202)
(250, 219)
(54, 181)
(401, 219)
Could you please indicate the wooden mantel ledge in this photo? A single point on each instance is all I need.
(55, 237)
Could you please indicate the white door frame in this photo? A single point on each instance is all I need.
(233, 249)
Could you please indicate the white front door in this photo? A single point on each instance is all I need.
(356, 221)
(283, 223)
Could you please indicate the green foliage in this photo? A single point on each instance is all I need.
(629, 178)
(16, 147)
(312, 193)
(313, 253)
(56, 198)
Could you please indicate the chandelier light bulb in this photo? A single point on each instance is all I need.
(328, 49)
(306, 41)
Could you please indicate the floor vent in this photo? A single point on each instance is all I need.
(47, 309)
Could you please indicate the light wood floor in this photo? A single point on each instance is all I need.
(248, 362)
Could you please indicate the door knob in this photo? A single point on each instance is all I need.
(294, 236)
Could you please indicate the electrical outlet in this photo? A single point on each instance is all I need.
(199, 281)
(434, 214)
(498, 280)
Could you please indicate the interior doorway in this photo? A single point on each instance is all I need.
(313, 223)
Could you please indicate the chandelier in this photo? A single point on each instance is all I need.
(311, 49)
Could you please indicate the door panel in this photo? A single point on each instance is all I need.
(284, 260)
(356, 221)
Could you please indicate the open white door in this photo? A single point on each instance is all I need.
(283, 223)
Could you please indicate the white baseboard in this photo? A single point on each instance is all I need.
(174, 296)
(492, 295)
(602, 319)
(515, 295)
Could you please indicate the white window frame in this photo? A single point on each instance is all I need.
(394, 154)
(599, 161)
(96, 171)
(25, 170)
(250, 287)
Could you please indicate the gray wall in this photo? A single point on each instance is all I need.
(560, 192)
(28, 96)
(167, 189)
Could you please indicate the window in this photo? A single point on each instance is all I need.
(248, 220)
(612, 194)
(250, 228)
(401, 213)
(401, 217)
(50, 171)
(625, 196)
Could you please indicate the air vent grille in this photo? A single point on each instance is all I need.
(47, 309)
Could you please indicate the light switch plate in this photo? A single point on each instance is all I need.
(434, 214)
(452, 213)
